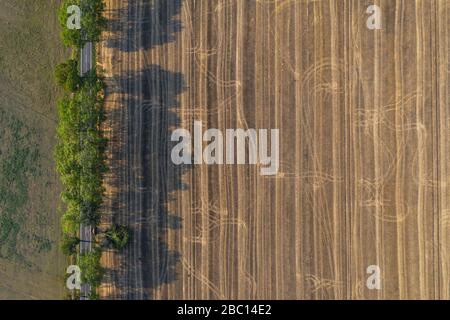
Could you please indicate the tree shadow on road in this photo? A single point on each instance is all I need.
(143, 177)
(156, 19)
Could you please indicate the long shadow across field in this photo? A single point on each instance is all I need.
(145, 177)
(156, 18)
(142, 173)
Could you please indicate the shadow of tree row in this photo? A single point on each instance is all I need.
(157, 20)
(142, 174)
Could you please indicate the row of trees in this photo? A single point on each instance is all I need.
(80, 153)
(81, 162)
(92, 22)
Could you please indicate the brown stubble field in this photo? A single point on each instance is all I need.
(364, 149)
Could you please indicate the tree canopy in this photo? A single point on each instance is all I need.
(92, 22)
(91, 269)
(69, 244)
(67, 75)
(80, 152)
(118, 236)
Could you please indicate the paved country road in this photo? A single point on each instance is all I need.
(86, 58)
(85, 231)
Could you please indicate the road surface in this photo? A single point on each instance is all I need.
(85, 231)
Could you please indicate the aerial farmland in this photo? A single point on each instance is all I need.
(224, 150)
(31, 264)
(362, 113)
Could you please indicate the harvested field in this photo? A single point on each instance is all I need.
(364, 119)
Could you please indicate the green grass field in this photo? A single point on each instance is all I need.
(31, 265)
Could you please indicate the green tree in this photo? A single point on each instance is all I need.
(118, 236)
(80, 153)
(71, 219)
(70, 37)
(69, 244)
(67, 75)
(91, 269)
(93, 294)
(92, 21)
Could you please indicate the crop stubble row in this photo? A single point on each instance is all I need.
(364, 122)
